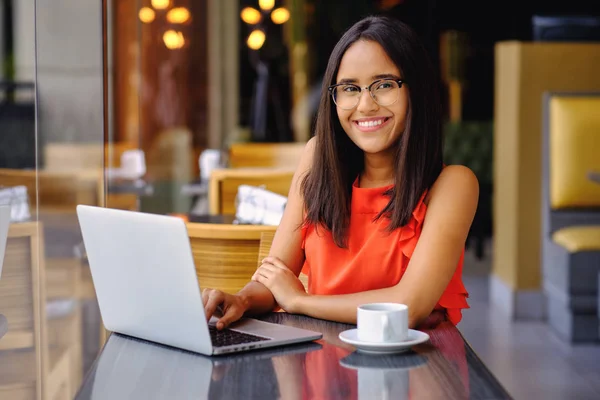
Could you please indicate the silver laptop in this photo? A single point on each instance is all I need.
(145, 280)
(4, 223)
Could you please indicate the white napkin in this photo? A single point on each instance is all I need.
(256, 205)
(18, 200)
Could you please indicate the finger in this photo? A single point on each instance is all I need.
(215, 299)
(232, 314)
(275, 262)
(266, 272)
(272, 260)
(205, 295)
(267, 267)
(257, 273)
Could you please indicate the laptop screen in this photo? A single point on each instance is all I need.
(4, 222)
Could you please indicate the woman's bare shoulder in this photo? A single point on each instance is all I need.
(455, 181)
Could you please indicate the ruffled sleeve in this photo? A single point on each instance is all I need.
(454, 298)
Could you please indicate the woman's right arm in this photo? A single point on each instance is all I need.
(255, 298)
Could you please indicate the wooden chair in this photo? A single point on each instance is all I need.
(226, 255)
(224, 183)
(266, 240)
(29, 368)
(286, 155)
(86, 161)
(56, 191)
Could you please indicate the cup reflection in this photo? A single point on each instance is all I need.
(383, 377)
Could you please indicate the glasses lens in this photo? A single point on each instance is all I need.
(346, 96)
(385, 92)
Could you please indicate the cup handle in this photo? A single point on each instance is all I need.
(386, 327)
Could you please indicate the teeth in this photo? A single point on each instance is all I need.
(367, 124)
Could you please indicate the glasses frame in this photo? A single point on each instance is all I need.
(331, 89)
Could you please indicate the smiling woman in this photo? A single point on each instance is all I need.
(372, 214)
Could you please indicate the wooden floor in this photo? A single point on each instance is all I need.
(526, 357)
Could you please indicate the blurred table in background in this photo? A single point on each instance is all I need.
(198, 191)
(138, 187)
(126, 194)
(212, 219)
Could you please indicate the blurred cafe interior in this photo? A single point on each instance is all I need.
(194, 107)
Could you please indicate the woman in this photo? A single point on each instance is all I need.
(372, 213)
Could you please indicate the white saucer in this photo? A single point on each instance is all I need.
(414, 338)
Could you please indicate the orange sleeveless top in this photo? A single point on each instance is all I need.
(374, 258)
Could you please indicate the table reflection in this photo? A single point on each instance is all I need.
(443, 368)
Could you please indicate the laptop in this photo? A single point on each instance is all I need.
(4, 223)
(146, 284)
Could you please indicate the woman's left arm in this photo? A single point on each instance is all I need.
(452, 202)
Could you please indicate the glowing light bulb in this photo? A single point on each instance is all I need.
(160, 4)
(173, 39)
(266, 4)
(250, 15)
(280, 15)
(146, 15)
(178, 15)
(256, 39)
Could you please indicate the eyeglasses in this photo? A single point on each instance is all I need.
(384, 92)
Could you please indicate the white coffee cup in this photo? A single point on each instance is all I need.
(382, 322)
(209, 159)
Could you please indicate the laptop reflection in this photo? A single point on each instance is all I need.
(131, 368)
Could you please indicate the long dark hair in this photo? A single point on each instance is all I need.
(337, 162)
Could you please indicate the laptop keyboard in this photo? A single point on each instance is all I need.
(227, 337)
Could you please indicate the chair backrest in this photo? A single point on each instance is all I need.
(242, 155)
(224, 183)
(56, 189)
(266, 240)
(571, 150)
(225, 255)
(68, 156)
